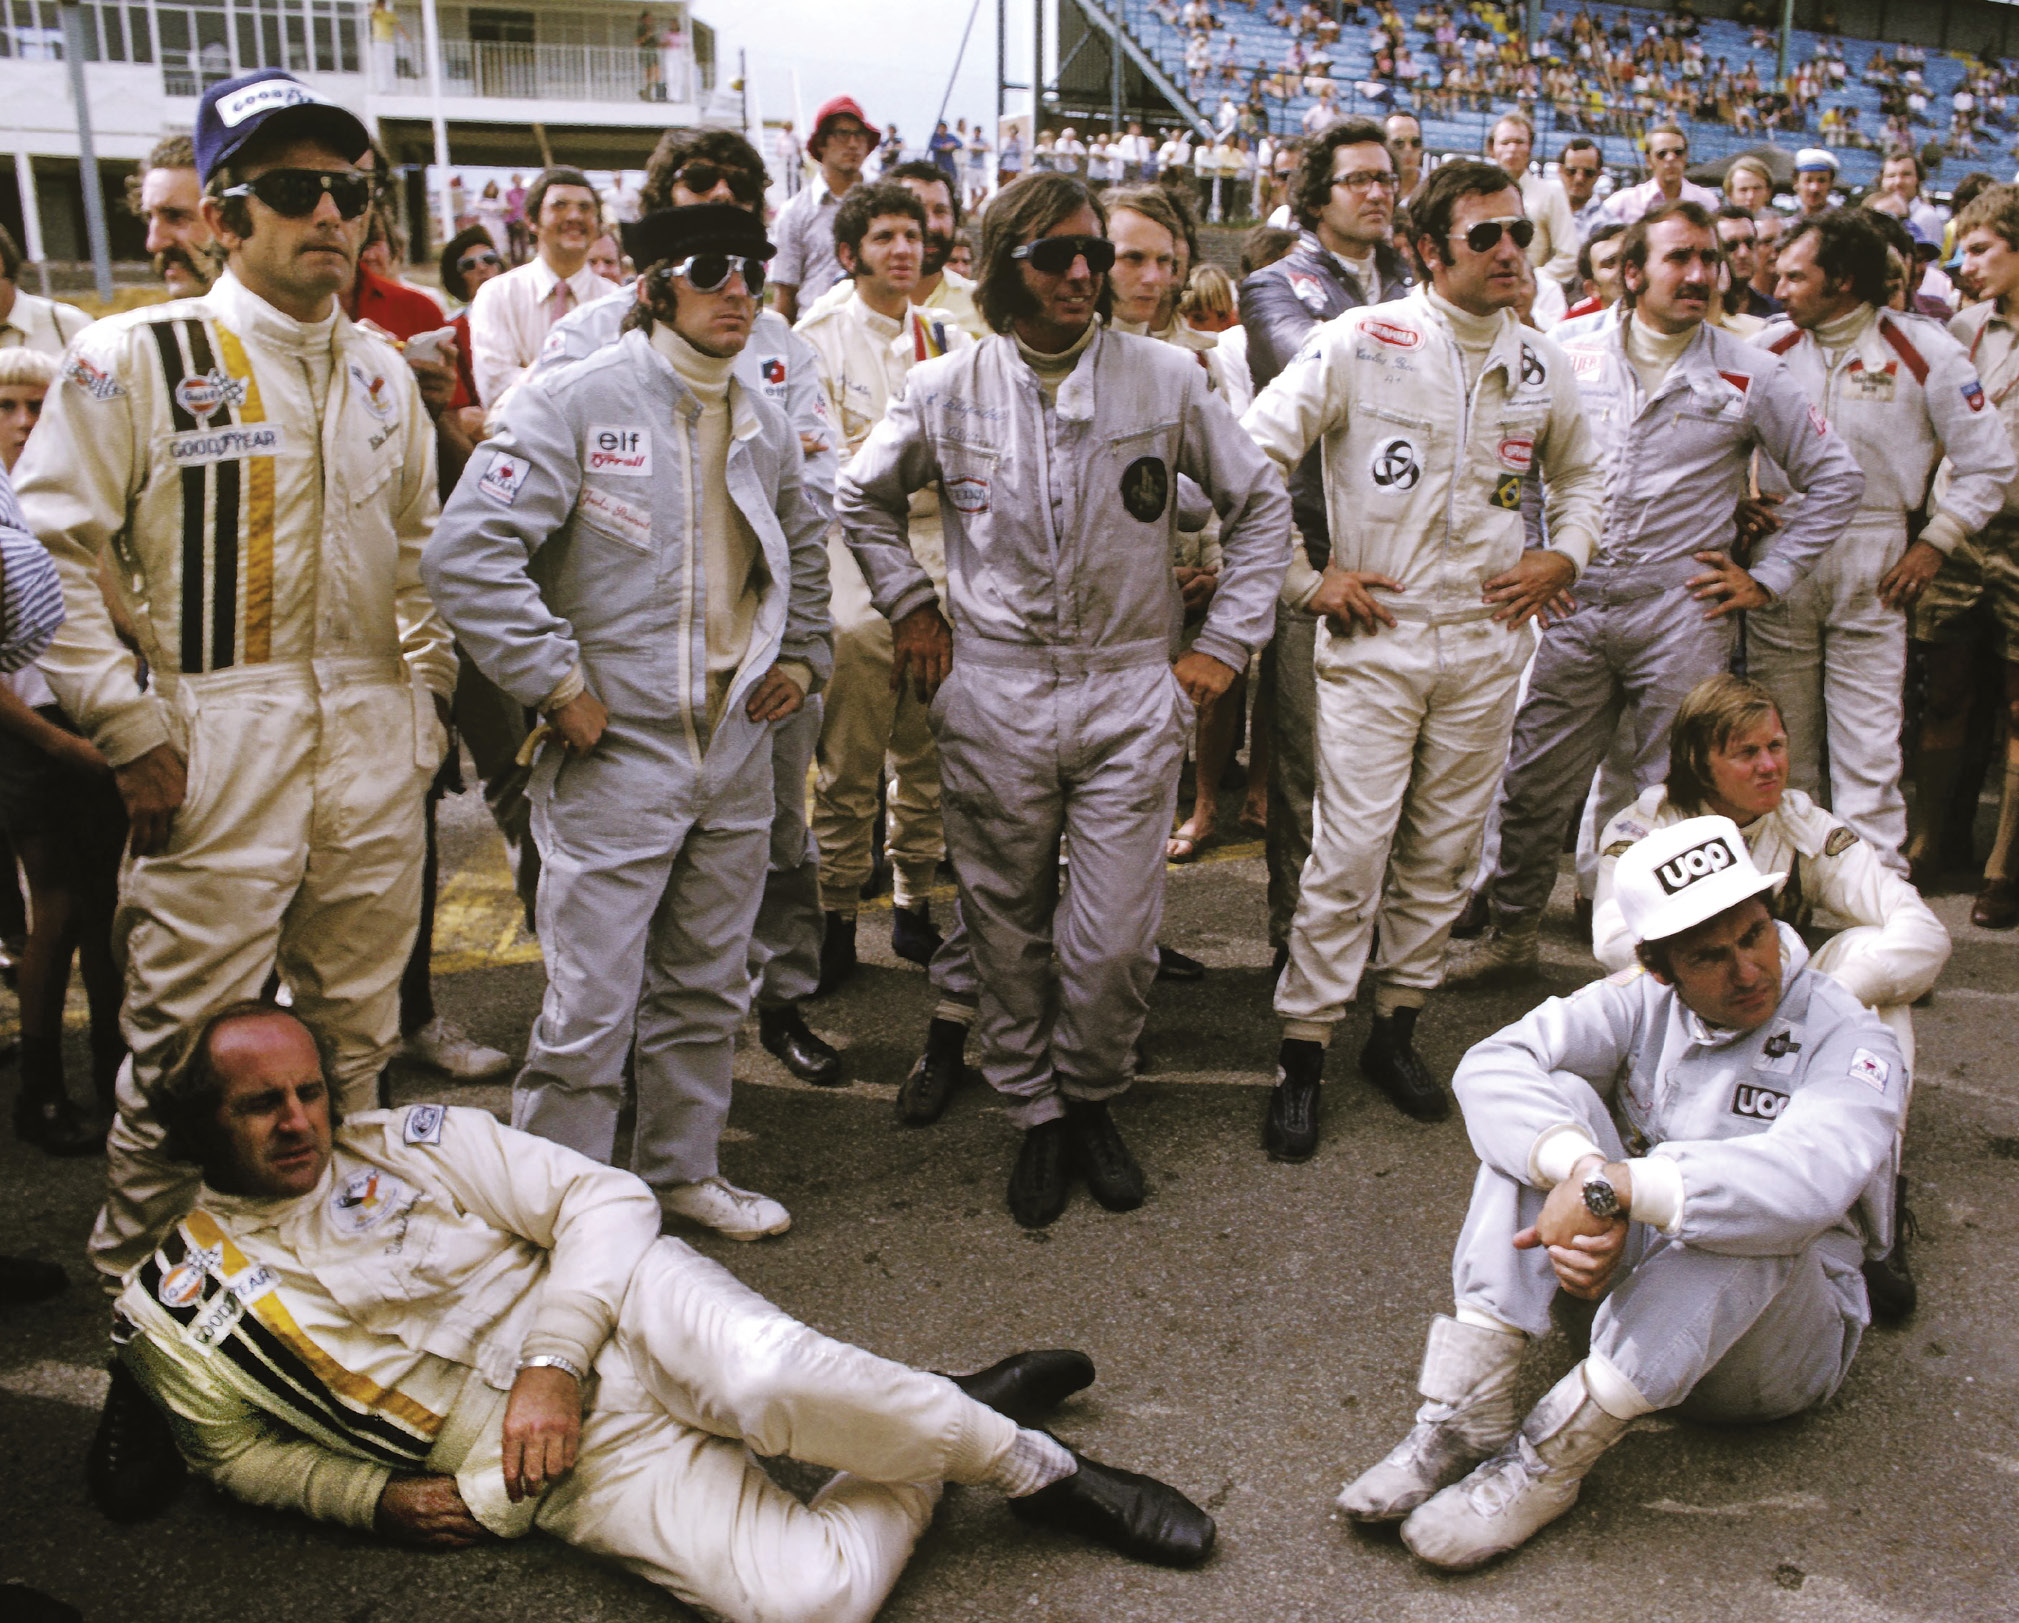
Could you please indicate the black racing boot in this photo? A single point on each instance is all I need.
(922, 1095)
(1173, 965)
(1888, 1283)
(133, 1469)
(1391, 1063)
(24, 1280)
(1113, 1177)
(1037, 1186)
(912, 936)
(1137, 1516)
(782, 1031)
(1290, 1130)
(837, 952)
(43, 1113)
(1027, 1386)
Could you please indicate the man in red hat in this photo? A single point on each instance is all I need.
(841, 140)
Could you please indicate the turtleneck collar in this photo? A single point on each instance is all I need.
(1846, 330)
(707, 375)
(882, 325)
(1651, 352)
(1065, 359)
(1472, 332)
(250, 316)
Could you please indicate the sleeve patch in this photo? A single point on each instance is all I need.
(1871, 1070)
(504, 478)
(94, 381)
(1973, 395)
(1840, 841)
(424, 1124)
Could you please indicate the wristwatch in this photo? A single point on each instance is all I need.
(566, 1366)
(1600, 1198)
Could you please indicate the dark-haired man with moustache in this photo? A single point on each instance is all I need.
(1063, 716)
(1343, 201)
(1679, 408)
(264, 473)
(633, 555)
(1429, 411)
(691, 166)
(167, 193)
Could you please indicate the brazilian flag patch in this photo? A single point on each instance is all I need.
(1507, 491)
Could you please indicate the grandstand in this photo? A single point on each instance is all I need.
(1165, 32)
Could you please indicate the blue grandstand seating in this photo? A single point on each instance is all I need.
(1255, 38)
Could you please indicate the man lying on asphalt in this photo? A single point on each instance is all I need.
(425, 1323)
(1696, 1143)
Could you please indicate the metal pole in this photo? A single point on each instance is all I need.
(1037, 77)
(87, 158)
(1787, 30)
(1001, 69)
(31, 217)
(431, 41)
(1115, 85)
(959, 56)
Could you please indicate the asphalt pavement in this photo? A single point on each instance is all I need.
(1256, 1327)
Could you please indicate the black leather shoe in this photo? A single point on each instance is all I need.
(912, 936)
(1037, 1186)
(837, 952)
(1889, 1284)
(1027, 1386)
(922, 1095)
(1113, 1178)
(1136, 1516)
(782, 1031)
(1474, 917)
(20, 1604)
(52, 1122)
(133, 1471)
(24, 1280)
(1391, 1063)
(1290, 1130)
(1173, 965)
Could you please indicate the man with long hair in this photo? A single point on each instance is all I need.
(1058, 445)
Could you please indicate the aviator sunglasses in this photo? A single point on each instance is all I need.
(710, 273)
(297, 193)
(701, 178)
(1485, 236)
(1054, 256)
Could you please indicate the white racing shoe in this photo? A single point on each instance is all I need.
(1468, 1376)
(1523, 1488)
(444, 1046)
(735, 1214)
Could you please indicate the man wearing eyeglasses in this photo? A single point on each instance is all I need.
(1430, 412)
(691, 166)
(1578, 167)
(1404, 136)
(1679, 407)
(512, 314)
(1343, 197)
(841, 142)
(262, 472)
(1058, 444)
(1668, 155)
(634, 556)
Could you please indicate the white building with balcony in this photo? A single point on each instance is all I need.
(590, 83)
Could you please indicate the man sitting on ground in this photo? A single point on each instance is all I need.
(1700, 1144)
(392, 1323)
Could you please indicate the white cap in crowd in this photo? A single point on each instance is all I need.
(1815, 158)
(1681, 875)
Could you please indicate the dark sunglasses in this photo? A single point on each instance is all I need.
(1054, 256)
(710, 273)
(1484, 237)
(701, 178)
(298, 193)
(482, 257)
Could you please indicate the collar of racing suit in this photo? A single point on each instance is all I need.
(265, 1211)
(1053, 370)
(1794, 959)
(1839, 335)
(251, 317)
(707, 376)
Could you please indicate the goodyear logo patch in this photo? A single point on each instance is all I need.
(200, 447)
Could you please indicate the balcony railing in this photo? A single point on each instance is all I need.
(547, 73)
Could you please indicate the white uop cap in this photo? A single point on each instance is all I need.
(1815, 158)
(1683, 874)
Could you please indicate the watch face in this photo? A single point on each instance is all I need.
(1600, 1198)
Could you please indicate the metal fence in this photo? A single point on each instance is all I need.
(520, 72)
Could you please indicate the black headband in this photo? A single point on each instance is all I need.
(700, 228)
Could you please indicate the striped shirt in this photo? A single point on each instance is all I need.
(31, 596)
